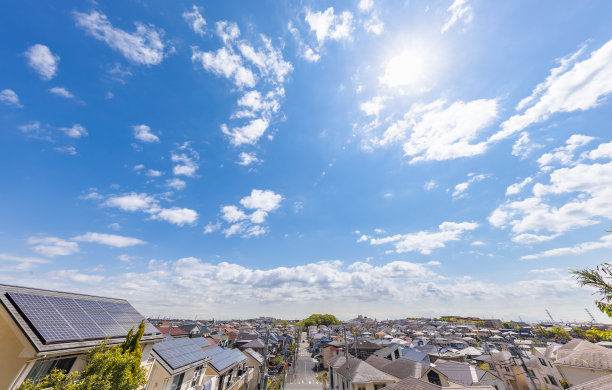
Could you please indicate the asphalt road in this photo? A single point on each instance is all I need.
(304, 378)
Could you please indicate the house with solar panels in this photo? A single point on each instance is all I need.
(42, 330)
(229, 365)
(181, 364)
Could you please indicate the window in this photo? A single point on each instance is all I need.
(378, 386)
(361, 388)
(542, 361)
(177, 382)
(44, 367)
(507, 369)
(433, 378)
(552, 380)
(196, 376)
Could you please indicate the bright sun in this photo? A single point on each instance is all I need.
(413, 67)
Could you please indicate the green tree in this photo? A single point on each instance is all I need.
(600, 279)
(114, 368)
(321, 319)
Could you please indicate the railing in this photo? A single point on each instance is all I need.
(236, 383)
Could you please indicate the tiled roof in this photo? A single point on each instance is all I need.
(362, 372)
(257, 343)
(581, 353)
(461, 373)
(255, 355)
(601, 383)
(172, 331)
(410, 383)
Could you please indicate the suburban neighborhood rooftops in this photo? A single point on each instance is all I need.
(172, 331)
(55, 320)
(201, 342)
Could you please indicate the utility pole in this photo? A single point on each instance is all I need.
(518, 352)
(346, 357)
(264, 373)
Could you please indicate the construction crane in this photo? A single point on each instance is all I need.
(550, 316)
(590, 315)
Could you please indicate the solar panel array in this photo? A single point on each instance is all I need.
(60, 319)
(201, 342)
(224, 358)
(178, 353)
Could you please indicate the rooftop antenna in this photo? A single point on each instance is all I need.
(550, 316)
(590, 315)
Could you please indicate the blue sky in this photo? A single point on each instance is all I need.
(231, 159)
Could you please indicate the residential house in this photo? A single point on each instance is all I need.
(173, 331)
(229, 365)
(601, 383)
(362, 375)
(580, 361)
(391, 352)
(410, 383)
(179, 365)
(41, 330)
(542, 367)
(465, 374)
(362, 349)
(255, 361)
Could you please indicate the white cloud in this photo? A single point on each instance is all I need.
(142, 47)
(305, 51)
(177, 216)
(576, 196)
(148, 204)
(226, 63)
(109, 239)
(176, 183)
(573, 86)
(424, 241)
(605, 242)
(248, 159)
(516, 188)
(603, 151)
(232, 214)
(71, 150)
(460, 10)
(61, 91)
(9, 97)
(327, 25)
(523, 146)
(478, 243)
(125, 258)
(265, 200)
(196, 20)
(212, 227)
(564, 155)
(185, 160)
(365, 5)
(430, 185)
(22, 259)
(179, 288)
(42, 61)
(257, 66)
(143, 133)
(76, 131)
(53, 246)
(248, 134)
(132, 202)
(460, 188)
(262, 202)
(153, 173)
(374, 25)
(439, 132)
(227, 31)
(373, 106)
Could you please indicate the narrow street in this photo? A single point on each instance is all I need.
(304, 378)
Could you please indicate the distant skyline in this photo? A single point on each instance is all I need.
(236, 159)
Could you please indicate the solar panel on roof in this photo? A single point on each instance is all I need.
(178, 353)
(60, 319)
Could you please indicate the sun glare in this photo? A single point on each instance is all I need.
(413, 67)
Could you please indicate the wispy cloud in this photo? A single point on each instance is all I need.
(10, 98)
(142, 47)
